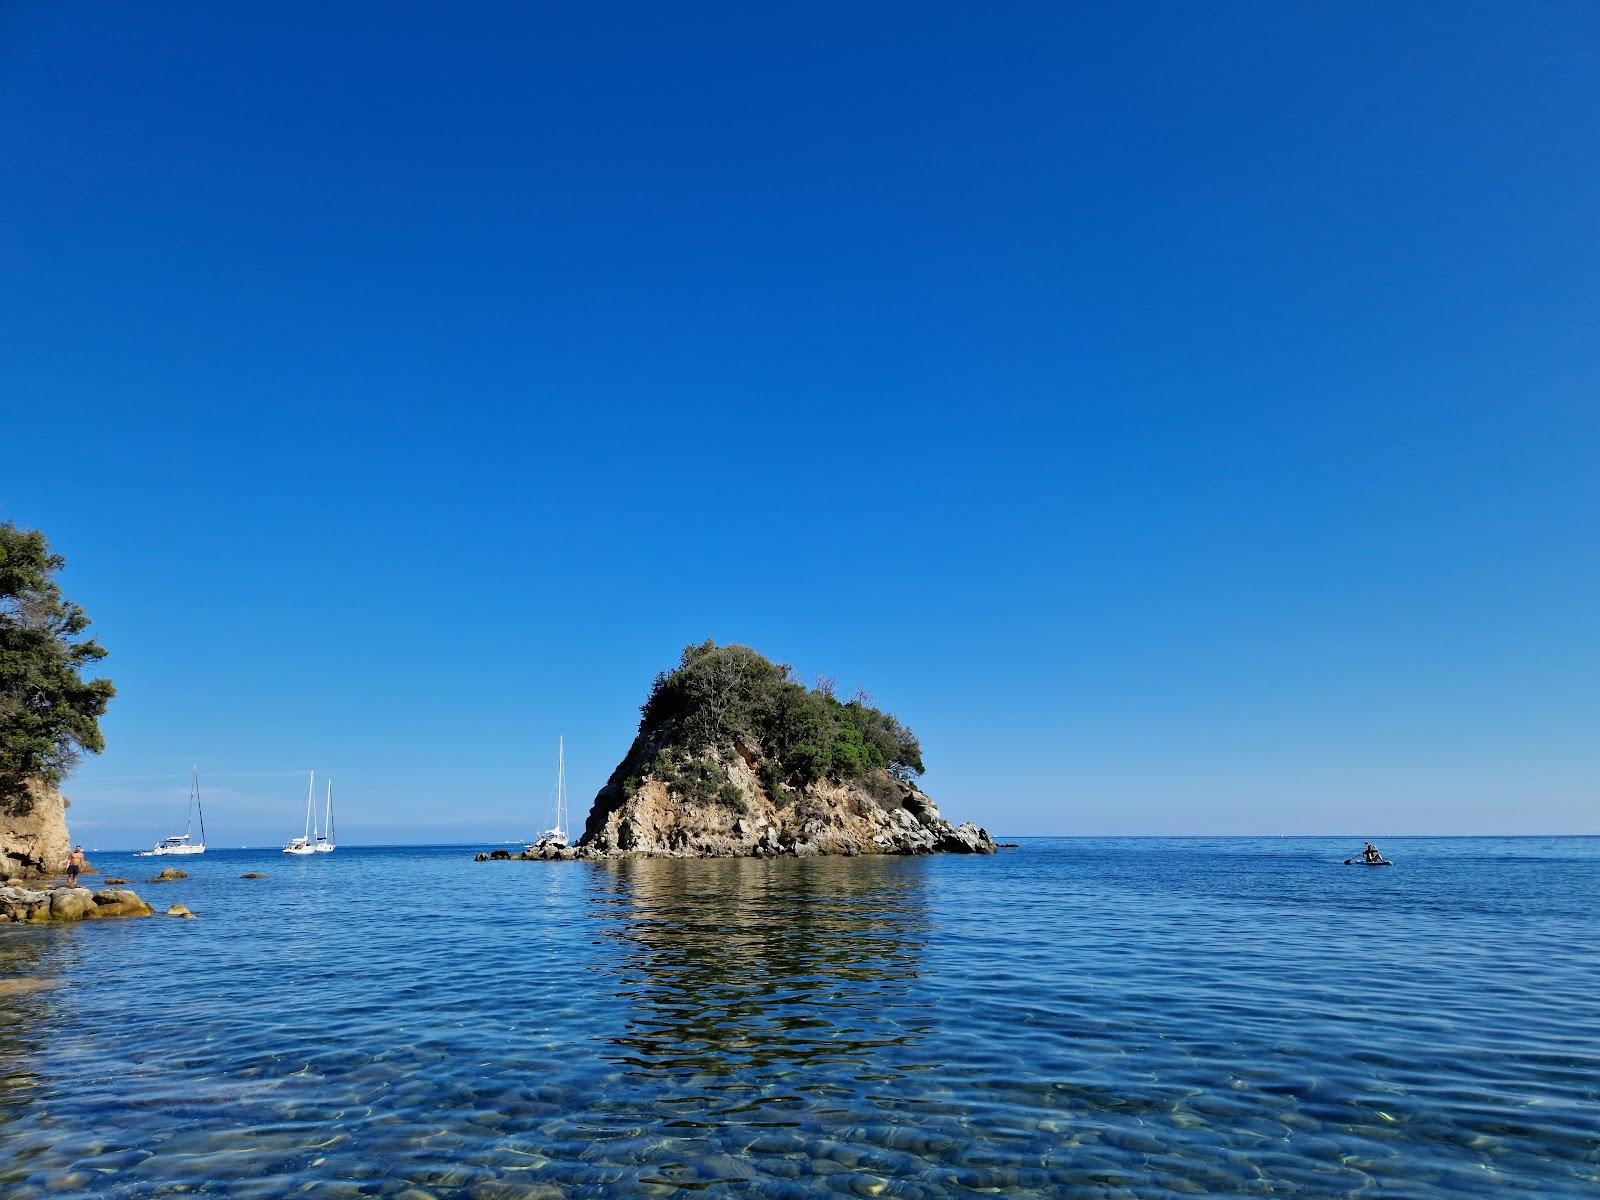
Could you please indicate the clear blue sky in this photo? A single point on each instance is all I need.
(1186, 416)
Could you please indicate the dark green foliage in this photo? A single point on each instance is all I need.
(49, 713)
(693, 779)
(722, 697)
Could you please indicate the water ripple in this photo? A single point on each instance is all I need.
(1107, 1019)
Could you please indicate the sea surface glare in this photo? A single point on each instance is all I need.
(1116, 1018)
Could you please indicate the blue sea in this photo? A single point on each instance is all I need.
(1097, 1018)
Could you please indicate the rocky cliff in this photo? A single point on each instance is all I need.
(735, 758)
(739, 816)
(33, 834)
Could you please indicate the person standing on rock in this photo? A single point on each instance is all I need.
(75, 865)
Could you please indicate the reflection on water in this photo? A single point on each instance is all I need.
(30, 968)
(751, 969)
(1114, 1019)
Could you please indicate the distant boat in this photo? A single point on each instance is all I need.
(324, 840)
(181, 843)
(556, 835)
(303, 845)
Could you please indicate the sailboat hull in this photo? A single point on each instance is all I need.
(161, 851)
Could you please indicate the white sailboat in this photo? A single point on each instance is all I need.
(302, 845)
(181, 844)
(324, 840)
(556, 835)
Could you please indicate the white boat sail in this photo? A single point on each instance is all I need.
(556, 835)
(303, 845)
(323, 843)
(180, 844)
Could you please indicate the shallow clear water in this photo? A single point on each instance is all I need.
(1117, 1018)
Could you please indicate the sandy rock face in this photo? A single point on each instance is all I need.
(34, 844)
(646, 811)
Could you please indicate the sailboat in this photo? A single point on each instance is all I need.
(556, 835)
(324, 840)
(302, 845)
(180, 844)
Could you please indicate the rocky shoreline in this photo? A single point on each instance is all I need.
(911, 826)
(966, 838)
(38, 905)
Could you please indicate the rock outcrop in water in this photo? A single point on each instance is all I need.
(68, 904)
(33, 834)
(735, 758)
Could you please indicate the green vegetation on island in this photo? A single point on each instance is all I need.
(722, 698)
(49, 713)
(735, 757)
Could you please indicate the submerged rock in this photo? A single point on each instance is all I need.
(68, 904)
(178, 910)
(167, 875)
(254, 875)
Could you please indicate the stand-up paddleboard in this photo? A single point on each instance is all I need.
(1361, 862)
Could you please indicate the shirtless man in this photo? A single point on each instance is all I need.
(75, 865)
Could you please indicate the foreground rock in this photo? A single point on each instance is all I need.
(68, 904)
(33, 834)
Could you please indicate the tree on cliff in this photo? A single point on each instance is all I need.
(49, 713)
(722, 696)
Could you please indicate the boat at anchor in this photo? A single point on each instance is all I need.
(181, 843)
(556, 835)
(322, 843)
(304, 845)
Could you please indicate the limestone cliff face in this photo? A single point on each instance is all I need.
(662, 801)
(34, 844)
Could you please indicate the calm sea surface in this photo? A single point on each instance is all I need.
(1118, 1018)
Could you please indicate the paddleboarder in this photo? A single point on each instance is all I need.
(1371, 854)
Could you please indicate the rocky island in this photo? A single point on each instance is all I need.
(736, 758)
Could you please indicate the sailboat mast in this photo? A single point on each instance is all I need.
(194, 796)
(327, 821)
(194, 785)
(561, 783)
(311, 801)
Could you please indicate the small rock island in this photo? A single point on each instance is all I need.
(736, 758)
